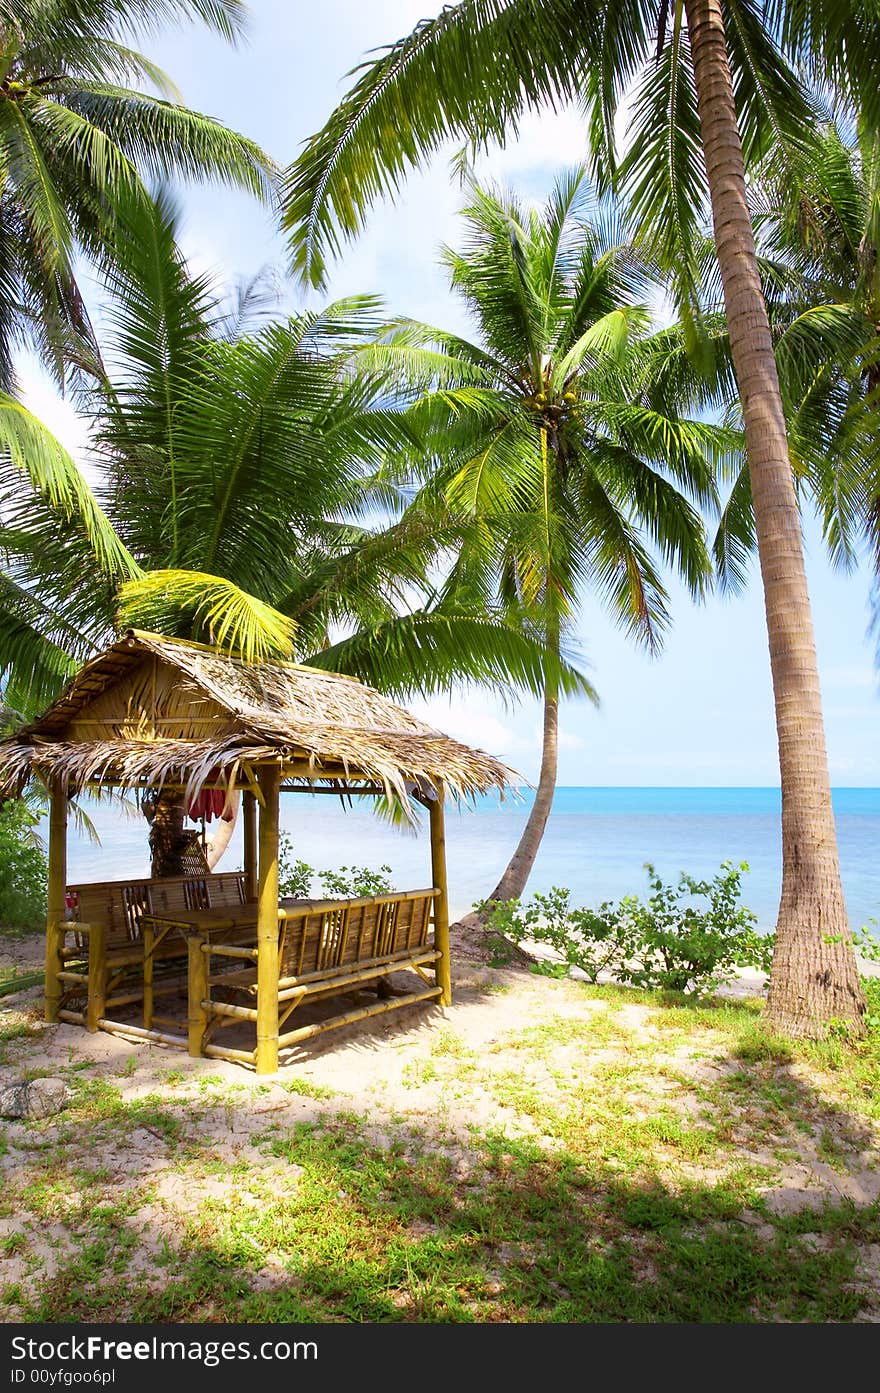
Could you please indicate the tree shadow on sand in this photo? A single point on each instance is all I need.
(343, 1216)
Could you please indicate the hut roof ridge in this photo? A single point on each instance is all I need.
(226, 713)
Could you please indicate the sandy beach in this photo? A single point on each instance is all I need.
(174, 1144)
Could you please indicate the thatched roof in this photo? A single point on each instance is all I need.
(151, 711)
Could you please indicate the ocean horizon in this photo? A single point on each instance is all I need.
(596, 843)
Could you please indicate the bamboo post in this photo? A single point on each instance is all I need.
(149, 936)
(197, 992)
(249, 821)
(95, 1004)
(266, 1059)
(56, 898)
(441, 901)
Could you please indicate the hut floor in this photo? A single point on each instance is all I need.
(170, 1016)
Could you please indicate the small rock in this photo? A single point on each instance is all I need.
(35, 1099)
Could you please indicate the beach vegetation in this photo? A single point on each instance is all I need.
(294, 875)
(23, 867)
(608, 1154)
(690, 936)
(356, 880)
(296, 878)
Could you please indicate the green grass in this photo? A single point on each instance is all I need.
(15, 1026)
(16, 1030)
(596, 1165)
(13, 981)
(360, 1233)
(308, 1088)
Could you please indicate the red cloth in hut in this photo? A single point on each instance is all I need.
(210, 803)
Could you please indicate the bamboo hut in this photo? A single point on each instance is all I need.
(152, 713)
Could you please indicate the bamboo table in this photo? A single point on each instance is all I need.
(230, 925)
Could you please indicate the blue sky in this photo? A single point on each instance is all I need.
(702, 712)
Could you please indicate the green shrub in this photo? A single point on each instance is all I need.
(871, 986)
(682, 946)
(23, 868)
(351, 881)
(685, 937)
(865, 943)
(592, 940)
(295, 878)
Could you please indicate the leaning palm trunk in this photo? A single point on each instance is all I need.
(219, 842)
(513, 881)
(814, 978)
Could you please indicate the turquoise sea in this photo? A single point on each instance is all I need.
(596, 843)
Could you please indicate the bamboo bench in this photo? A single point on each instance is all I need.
(112, 951)
(324, 948)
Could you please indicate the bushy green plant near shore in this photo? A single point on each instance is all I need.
(23, 868)
(590, 940)
(687, 937)
(865, 942)
(296, 878)
(872, 1001)
(356, 880)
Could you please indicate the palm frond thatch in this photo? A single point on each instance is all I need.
(151, 711)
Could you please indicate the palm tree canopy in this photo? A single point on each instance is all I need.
(83, 116)
(548, 434)
(236, 486)
(826, 226)
(471, 73)
(820, 236)
(817, 237)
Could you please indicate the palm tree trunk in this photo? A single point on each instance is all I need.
(222, 837)
(168, 841)
(513, 881)
(814, 978)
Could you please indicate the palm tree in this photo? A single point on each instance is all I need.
(236, 475)
(77, 132)
(711, 84)
(548, 441)
(820, 240)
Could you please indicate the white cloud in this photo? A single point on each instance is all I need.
(58, 414)
(715, 765)
(566, 739)
(855, 713)
(858, 766)
(472, 721)
(546, 140)
(850, 675)
(569, 741)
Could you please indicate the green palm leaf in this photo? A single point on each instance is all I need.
(163, 139)
(32, 453)
(208, 607)
(426, 652)
(76, 136)
(466, 74)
